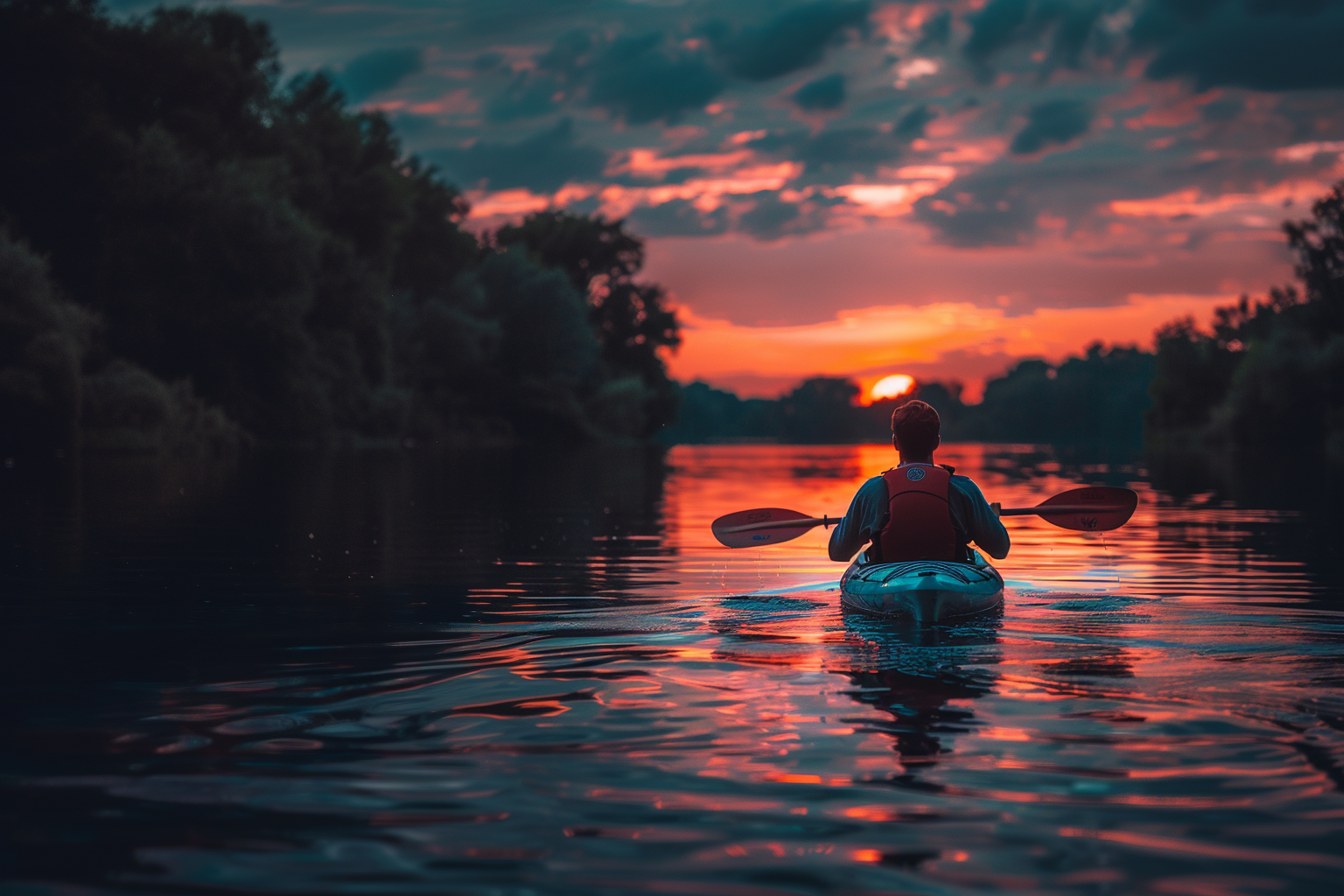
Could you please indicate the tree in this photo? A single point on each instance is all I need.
(820, 410)
(274, 252)
(1269, 374)
(631, 320)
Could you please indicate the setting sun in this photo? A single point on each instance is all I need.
(893, 386)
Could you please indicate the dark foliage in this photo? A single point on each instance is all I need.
(707, 414)
(1270, 374)
(178, 216)
(631, 319)
(1097, 400)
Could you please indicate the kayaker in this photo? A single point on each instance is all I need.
(918, 510)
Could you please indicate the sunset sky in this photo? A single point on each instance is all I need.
(868, 188)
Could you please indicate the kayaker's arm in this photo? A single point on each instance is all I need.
(861, 522)
(982, 523)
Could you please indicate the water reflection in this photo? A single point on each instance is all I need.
(540, 673)
(925, 678)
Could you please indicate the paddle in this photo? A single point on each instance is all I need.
(1092, 509)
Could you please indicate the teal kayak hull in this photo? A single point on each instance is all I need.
(922, 590)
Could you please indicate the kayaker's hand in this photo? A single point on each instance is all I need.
(996, 507)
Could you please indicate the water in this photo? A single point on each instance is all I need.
(503, 674)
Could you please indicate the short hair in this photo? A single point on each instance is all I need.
(916, 425)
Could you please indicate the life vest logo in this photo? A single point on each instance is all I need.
(914, 474)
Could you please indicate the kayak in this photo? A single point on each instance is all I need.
(922, 590)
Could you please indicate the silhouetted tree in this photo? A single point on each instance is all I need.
(1098, 398)
(630, 319)
(43, 339)
(1269, 374)
(274, 252)
(820, 410)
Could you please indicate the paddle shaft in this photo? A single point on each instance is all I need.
(1087, 509)
(812, 522)
(1053, 508)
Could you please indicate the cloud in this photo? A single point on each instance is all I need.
(794, 39)
(640, 80)
(1005, 23)
(770, 217)
(1255, 44)
(637, 79)
(1223, 110)
(678, 217)
(378, 70)
(1001, 204)
(827, 92)
(527, 96)
(569, 55)
(543, 162)
(834, 150)
(1053, 122)
(997, 212)
(912, 123)
(504, 16)
(1268, 45)
(936, 32)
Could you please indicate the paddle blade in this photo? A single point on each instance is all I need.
(1095, 509)
(757, 528)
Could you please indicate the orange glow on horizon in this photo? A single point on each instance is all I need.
(932, 336)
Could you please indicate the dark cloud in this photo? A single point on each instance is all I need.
(1222, 110)
(982, 211)
(527, 96)
(769, 217)
(640, 80)
(794, 39)
(827, 92)
(1284, 45)
(912, 123)
(1004, 23)
(503, 16)
(1053, 122)
(377, 71)
(1001, 204)
(839, 151)
(487, 61)
(569, 55)
(1270, 45)
(935, 33)
(678, 217)
(543, 162)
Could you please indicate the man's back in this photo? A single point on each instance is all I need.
(972, 517)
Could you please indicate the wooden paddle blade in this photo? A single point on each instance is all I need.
(757, 528)
(1095, 509)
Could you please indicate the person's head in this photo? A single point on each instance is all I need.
(914, 429)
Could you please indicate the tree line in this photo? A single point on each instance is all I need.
(194, 255)
(1266, 375)
(1098, 399)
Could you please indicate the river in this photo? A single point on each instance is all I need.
(505, 673)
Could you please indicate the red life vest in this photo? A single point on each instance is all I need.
(919, 525)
